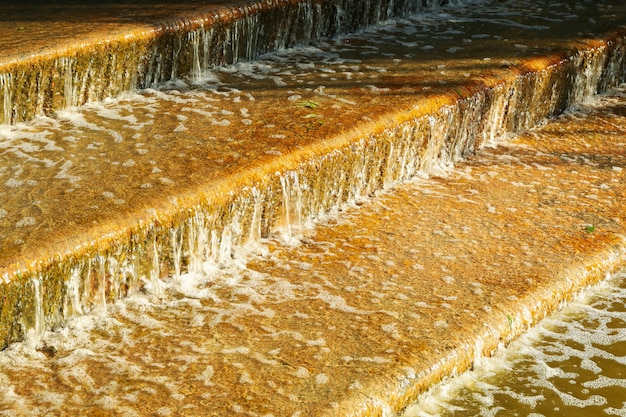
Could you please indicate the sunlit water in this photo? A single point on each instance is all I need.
(273, 329)
(396, 283)
(572, 364)
(285, 101)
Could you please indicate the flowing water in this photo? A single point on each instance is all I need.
(267, 146)
(231, 301)
(355, 314)
(131, 45)
(571, 364)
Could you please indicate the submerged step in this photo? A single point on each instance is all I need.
(103, 201)
(365, 311)
(161, 191)
(530, 375)
(67, 53)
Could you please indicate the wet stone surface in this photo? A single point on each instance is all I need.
(33, 27)
(571, 363)
(382, 298)
(69, 178)
(429, 273)
(38, 27)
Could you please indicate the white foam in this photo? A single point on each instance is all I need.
(25, 222)
(532, 370)
(321, 379)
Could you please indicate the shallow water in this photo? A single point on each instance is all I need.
(389, 287)
(286, 101)
(573, 364)
(287, 330)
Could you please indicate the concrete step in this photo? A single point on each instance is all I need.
(194, 192)
(57, 55)
(66, 53)
(114, 193)
(365, 311)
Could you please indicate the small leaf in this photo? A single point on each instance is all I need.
(308, 104)
(590, 228)
(510, 320)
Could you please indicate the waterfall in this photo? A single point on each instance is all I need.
(6, 89)
(155, 272)
(74, 301)
(291, 192)
(38, 327)
(313, 183)
(181, 48)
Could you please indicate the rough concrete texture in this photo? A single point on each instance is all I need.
(114, 194)
(66, 53)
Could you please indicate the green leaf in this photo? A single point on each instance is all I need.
(308, 104)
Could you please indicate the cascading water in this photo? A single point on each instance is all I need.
(73, 306)
(325, 168)
(181, 48)
(363, 312)
(571, 363)
(185, 192)
(39, 326)
(6, 86)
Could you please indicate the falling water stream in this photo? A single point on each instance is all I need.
(290, 327)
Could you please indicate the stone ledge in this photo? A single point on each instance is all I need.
(369, 309)
(67, 265)
(120, 48)
(406, 134)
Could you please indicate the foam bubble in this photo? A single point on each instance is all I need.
(321, 379)
(26, 221)
(14, 183)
